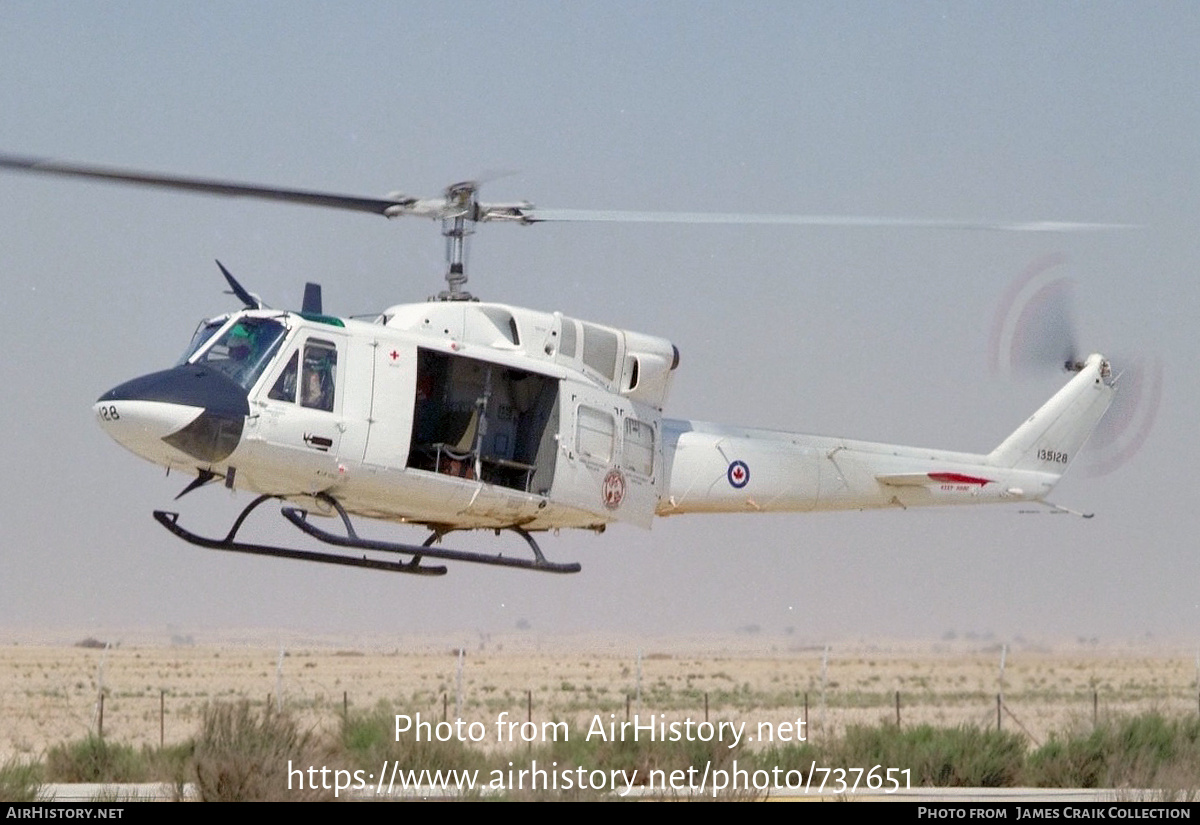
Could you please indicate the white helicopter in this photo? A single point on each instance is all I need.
(456, 414)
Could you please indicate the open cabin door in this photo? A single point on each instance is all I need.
(482, 421)
(609, 458)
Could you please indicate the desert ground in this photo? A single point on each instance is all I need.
(156, 683)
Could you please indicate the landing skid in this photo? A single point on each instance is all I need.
(171, 522)
(299, 518)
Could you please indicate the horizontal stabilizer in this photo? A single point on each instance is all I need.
(929, 479)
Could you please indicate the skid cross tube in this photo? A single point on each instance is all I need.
(299, 518)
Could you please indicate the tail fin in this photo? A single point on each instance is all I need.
(1050, 439)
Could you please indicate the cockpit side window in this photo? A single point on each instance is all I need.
(285, 385)
(245, 349)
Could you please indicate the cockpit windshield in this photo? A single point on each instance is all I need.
(206, 329)
(245, 349)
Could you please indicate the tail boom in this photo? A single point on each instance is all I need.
(717, 468)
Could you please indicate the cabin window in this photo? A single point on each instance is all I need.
(639, 447)
(595, 434)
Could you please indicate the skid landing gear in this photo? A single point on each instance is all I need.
(299, 518)
(414, 566)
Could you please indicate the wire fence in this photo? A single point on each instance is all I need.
(155, 696)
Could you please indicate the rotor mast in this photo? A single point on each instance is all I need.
(461, 208)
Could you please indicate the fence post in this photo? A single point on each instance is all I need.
(458, 691)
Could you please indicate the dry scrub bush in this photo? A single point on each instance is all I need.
(244, 755)
(20, 782)
(95, 760)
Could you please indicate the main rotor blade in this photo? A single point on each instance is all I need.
(378, 206)
(394, 206)
(621, 216)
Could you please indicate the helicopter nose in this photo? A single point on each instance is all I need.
(181, 414)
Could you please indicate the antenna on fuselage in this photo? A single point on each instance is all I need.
(250, 300)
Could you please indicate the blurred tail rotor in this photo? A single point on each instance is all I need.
(1034, 331)
(1127, 424)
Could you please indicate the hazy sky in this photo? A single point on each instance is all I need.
(1006, 111)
